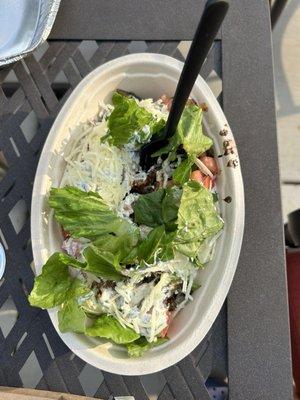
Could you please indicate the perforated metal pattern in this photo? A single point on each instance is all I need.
(32, 92)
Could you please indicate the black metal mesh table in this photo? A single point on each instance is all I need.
(246, 354)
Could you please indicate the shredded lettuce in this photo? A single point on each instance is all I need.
(106, 326)
(129, 122)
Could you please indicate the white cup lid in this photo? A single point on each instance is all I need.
(2, 261)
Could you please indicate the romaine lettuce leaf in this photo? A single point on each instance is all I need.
(158, 208)
(71, 318)
(84, 214)
(198, 219)
(102, 263)
(170, 206)
(108, 327)
(190, 131)
(128, 120)
(121, 245)
(157, 239)
(141, 345)
(189, 134)
(147, 209)
(51, 286)
(182, 173)
(150, 245)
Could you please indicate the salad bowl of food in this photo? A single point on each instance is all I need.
(134, 265)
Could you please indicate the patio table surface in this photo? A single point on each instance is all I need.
(246, 354)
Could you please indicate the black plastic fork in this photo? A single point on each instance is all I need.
(209, 25)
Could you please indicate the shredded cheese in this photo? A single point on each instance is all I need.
(99, 167)
(141, 305)
(203, 168)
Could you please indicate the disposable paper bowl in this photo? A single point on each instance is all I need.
(147, 75)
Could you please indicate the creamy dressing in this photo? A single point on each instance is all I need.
(141, 305)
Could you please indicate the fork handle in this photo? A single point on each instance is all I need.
(209, 25)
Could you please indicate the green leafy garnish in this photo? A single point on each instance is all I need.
(189, 134)
(129, 121)
(151, 244)
(190, 131)
(158, 208)
(121, 245)
(51, 286)
(198, 219)
(215, 197)
(108, 327)
(141, 345)
(170, 206)
(71, 318)
(102, 263)
(147, 209)
(195, 287)
(84, 214)
(182, 173)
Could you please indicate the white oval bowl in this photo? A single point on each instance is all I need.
(147, 75)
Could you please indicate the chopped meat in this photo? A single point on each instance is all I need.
(204, 107)
(128, 94)
(109, 284)
(173, 301)
(147, 185)
(170, 183)
(66, 234)
(152, 277)
(99, 286)
(168, 101)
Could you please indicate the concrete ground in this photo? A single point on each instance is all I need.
(286, 43)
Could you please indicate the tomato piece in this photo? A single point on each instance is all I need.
(66, 234)
(167, 101)
(211, 164)
(164, 332)
(197, 176)
(207, 182)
